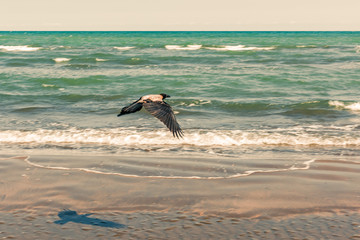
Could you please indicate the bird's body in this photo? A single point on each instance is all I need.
(154, 98)
(156, 106)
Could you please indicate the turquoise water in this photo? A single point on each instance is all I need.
(233, 93)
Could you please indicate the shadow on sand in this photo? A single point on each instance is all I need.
(72, 216)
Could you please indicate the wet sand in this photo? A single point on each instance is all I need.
(321, 202)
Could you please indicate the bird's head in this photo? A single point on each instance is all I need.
(164, 95)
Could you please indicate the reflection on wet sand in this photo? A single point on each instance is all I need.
(261, 205)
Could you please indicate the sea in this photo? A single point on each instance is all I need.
(246, 101)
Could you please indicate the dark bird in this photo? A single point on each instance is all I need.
(156, 106)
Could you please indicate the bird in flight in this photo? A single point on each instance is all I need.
(156, 106)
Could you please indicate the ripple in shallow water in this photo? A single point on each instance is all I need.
(169, 167)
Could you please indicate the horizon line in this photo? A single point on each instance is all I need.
(179, 30)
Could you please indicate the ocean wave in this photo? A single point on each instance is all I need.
(48, 85)
(178, 47)
(59, 60)
(308, 108)
(100, 60)
(239, 48)
(123, 48)
(193, 103)
(341, 105)
(297, 136)
(219, 48)
(25, 48)
(306, 46)
(60, 47)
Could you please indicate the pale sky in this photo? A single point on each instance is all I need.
(180, 15)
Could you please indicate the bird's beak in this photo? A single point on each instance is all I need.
(168, 96)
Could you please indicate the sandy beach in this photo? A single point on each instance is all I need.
(321, 202)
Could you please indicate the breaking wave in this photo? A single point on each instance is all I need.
(123, 48)
(59, 60)
(25, 48)
(296, 136)
(350, 106)
(218, 48)
(178, 47)
(239, 48)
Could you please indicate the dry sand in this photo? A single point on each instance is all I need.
(322, 202)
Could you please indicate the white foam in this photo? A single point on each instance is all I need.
(48, 85)
(60, 47)
(100, 60)
(306, 166)
(178, 47)
(239, 48)
(338, 104)
(306, 46)
(124, 48)
(357, 48)
(310, 136)
(354, 106)
(25, 48)
(59, 60)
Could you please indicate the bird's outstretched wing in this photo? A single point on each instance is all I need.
(134, 107)
(163, 112)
